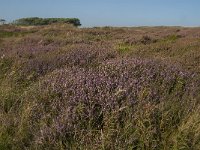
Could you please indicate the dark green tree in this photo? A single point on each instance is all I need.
(2, 21)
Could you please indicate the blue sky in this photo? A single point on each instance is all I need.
(108, 12)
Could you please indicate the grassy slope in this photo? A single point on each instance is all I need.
(103, 88)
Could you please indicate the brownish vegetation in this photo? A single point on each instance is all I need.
(63, 87)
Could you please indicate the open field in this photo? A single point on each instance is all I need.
(63, 87)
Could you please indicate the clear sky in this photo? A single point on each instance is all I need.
(108, 12)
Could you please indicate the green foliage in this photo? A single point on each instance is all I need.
(4, 34)
(171, 38)
(35, 21)
(123, 48)
(7, 34)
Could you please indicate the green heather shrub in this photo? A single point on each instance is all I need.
(171, 38)
(123, 48)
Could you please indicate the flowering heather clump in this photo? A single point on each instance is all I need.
(78, 100)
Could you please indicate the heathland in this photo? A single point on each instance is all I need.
(63, 87)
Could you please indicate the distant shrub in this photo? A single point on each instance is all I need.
(34, 21)
(147, 40)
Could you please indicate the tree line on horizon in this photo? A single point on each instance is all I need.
(35, 21)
